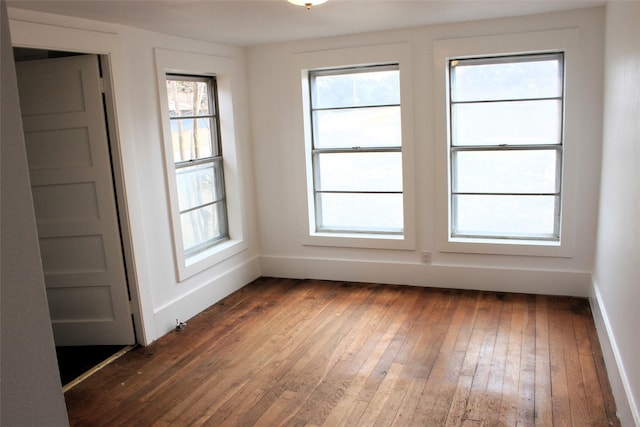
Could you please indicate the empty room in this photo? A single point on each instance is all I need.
(408, 213)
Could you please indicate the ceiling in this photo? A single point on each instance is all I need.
(249, 23)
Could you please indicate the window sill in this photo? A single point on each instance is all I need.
(543, 248)
(208, 258)
(360, 240)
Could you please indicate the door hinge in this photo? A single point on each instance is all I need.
(131, 307)
(101, 85)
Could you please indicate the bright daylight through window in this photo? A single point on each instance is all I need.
(195, 138)
(506, 147)
(357, 150)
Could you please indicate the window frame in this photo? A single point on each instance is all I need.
(551, 41)
(302, 63)
(317, 151)
(213, 159)
(454, 149)
(225, 72)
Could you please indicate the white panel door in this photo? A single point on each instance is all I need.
(73, 195)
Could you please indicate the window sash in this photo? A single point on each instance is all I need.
(387, 207)
(504, 198)
(212, 117)
(500, 232)
(318, 104)
(219, 233)
(502, 60)
(217, 190)
(369, 195)
(198, 233)
(371, 171)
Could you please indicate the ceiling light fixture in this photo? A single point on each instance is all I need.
(307, 3)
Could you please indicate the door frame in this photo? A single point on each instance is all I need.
(119, 190)
(108, 47)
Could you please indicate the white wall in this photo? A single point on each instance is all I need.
(161, 297)
(31, 393)
(280, 199)
(172, 299)
(616, 277)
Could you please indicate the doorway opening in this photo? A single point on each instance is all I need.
(77, 363)
(66, 121)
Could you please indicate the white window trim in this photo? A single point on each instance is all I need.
(337, 58)
(565, 40)
(168, 61)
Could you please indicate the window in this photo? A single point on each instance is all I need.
(197, 154)
(204, 189)
(356, 152)
(506, 147)
(354, 158)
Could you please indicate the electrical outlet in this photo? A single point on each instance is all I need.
(426, 257)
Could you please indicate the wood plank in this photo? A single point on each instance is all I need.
(577, 395)
(542, 398)
(459, 402)
(298, 354)
(605, 386)
(337, 380)
(463, 401)
(417, 336)
(282, 410)
(367, 359)
(425, 354)
(593, 397)
(441, 384)
(308, 352)
(332, 384)
(477, 394)
(561, 405)
(208, 377)
(527, 382)
(495, 384)
(509, 399)
(377, 403)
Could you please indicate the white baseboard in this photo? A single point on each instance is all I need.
(627, 410)
(190, 304)
(458, 277)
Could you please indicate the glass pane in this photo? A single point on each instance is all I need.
(510, 216)
(190, 145)
(188, 98)
(523, 78)
(363, 127)
(356, 89)
(203, 226)
(199, 185)
(359, 171)
(360, 212)
(530, 171)
(511, 123)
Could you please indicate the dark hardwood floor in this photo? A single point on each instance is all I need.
(308, 352)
